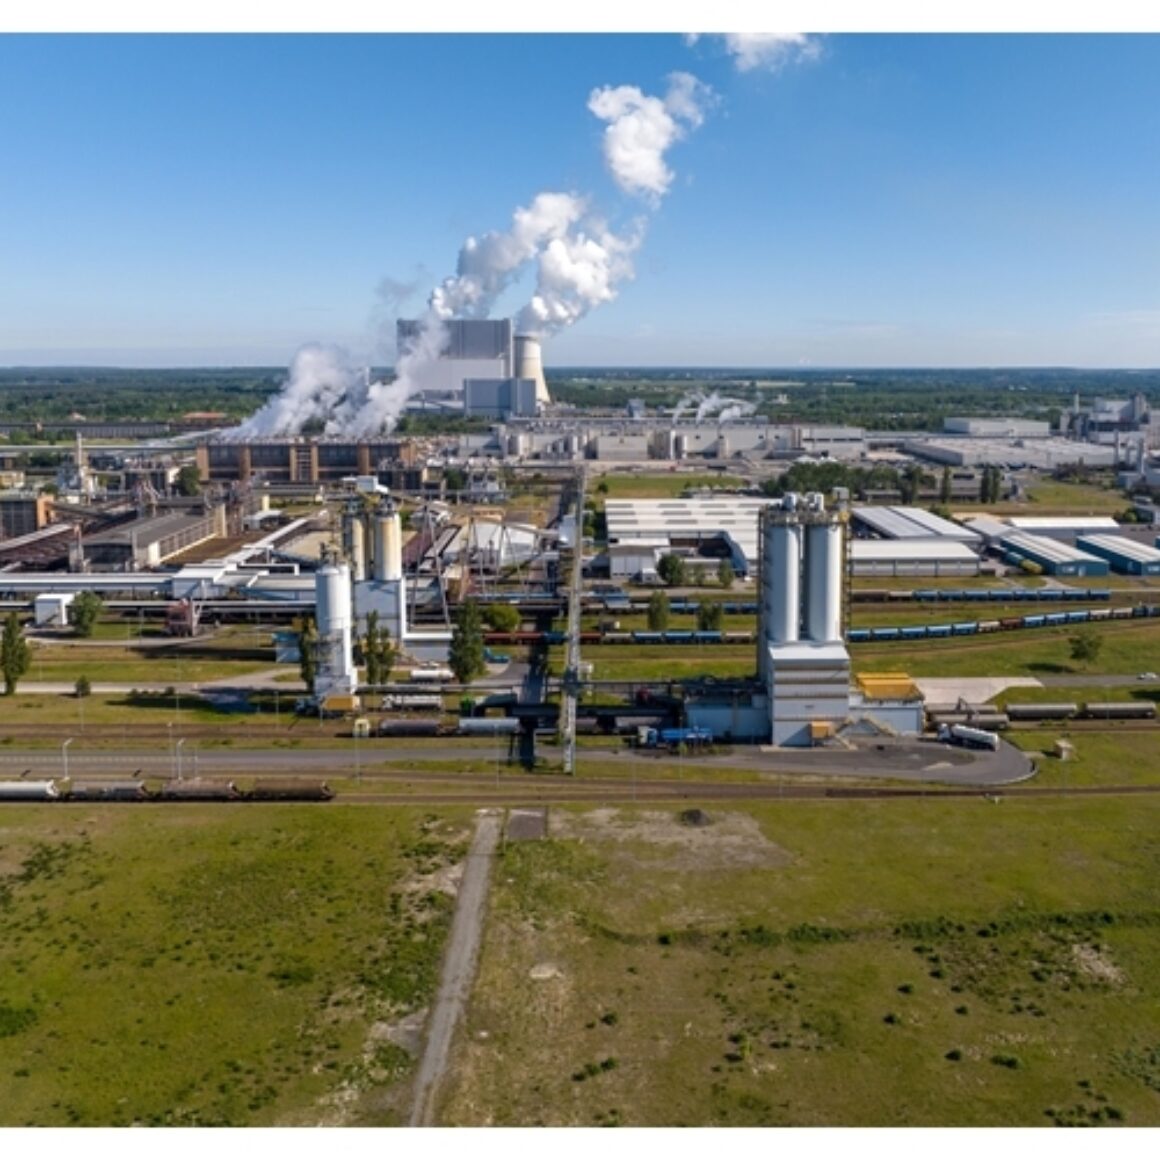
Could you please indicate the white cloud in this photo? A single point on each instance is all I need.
(768, 50)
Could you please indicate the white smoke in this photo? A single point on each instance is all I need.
(321, 378)
(724, 408)
(579, 263)
(642, 129)
(488, 265)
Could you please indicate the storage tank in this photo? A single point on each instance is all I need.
(781, 585)
(392, 545)
(358, 549)
(379, 561)
(488, 726)
(335, 628)
(680, 446)
(529, 364)
(824, 581)
(28, 791)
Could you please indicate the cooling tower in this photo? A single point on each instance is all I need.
(529, 364)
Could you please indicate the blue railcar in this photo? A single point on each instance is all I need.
(914, 631)
(1055, 618)
(1099, 593)
(1035, 621)
(648, 638)
(1079, 616)
(858, 635)
(683, 606)
(708, 637)
(555, 637)
(926, 594)
(885, 634)
(938, 630)
(965, 628)
(683, 637)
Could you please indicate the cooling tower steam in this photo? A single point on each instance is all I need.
(713, 405)
(579, 262)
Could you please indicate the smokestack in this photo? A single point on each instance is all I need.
(529, 364)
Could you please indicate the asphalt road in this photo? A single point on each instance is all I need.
(897, 759)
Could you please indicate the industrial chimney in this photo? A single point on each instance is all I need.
(529, 364)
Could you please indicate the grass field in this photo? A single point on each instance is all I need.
(666, 485)
(918, 963)
(216, 965)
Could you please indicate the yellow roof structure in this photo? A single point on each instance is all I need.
(888, 687)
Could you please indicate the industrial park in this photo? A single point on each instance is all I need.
(571, 582)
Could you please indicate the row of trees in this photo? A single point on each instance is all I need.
(710, 616)
(675, 571)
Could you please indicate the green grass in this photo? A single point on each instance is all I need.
(933, 963)
(666, 485)
(1125, 758)
(1128, 647)
(212, 965)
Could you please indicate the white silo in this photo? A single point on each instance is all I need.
(824, 568)
(529, 364)
(379, 560)
(358, 549)
(332, 593)
(781, 587)
(392, 545)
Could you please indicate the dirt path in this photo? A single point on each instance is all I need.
(458, 967)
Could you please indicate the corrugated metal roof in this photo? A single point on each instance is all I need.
(922, 548)
(1121, 545)
(1064, 523)
(1055, 551)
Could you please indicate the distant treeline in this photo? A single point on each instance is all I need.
(892, 400)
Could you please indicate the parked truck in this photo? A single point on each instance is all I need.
(968, 737)
(689, 736)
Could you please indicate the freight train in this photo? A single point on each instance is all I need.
(1016, 714)
(879, 634)
(197, 790)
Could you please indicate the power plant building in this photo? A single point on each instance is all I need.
(499, 399)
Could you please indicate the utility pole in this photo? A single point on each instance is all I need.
(571, 689)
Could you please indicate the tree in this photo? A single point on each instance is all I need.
(671, 569)
(83, 687)
(188, 481)
(308, 652)
(454, 479)
(84, 612)
(466, 654)
(658, 612)
(725, 574)
(502, 617)
(1085, 646)
(944, 487)
(710, 615)
(15, 654)
(378, 652)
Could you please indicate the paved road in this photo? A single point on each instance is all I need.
(458, 968)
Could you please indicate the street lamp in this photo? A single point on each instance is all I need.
(64, 756)
(177, 756)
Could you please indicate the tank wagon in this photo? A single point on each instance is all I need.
(968, 737)
(1059, 712)
(1119, 709)
(262, 790)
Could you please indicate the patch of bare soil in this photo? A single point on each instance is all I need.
(728, 841)
(1096, 963)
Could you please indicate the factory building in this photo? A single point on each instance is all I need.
(720, 528)
(23, 512)
(1053, 557)
(1040, 453)
(301, 460)
(499, 398)
(1002, 428)
(1064, 527)
(801, 656)
(484, 349)
(907, 523)
(1125, 556)
(919, 556)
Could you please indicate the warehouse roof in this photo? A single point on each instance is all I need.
(1131, 549)
(660, 519)
(1072, 525)
(901, 523)
(1046, 548)
(920, 548)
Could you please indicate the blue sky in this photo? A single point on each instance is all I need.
(880, 200)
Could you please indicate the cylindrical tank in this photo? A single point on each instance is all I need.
(518, 444)
(358, 549)
(488, 726)
(332, 597)
(824, 581)
(379, 563)
(680, 446)
(781, 587)
(392, 546)
(29, 791)
(529, 362)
